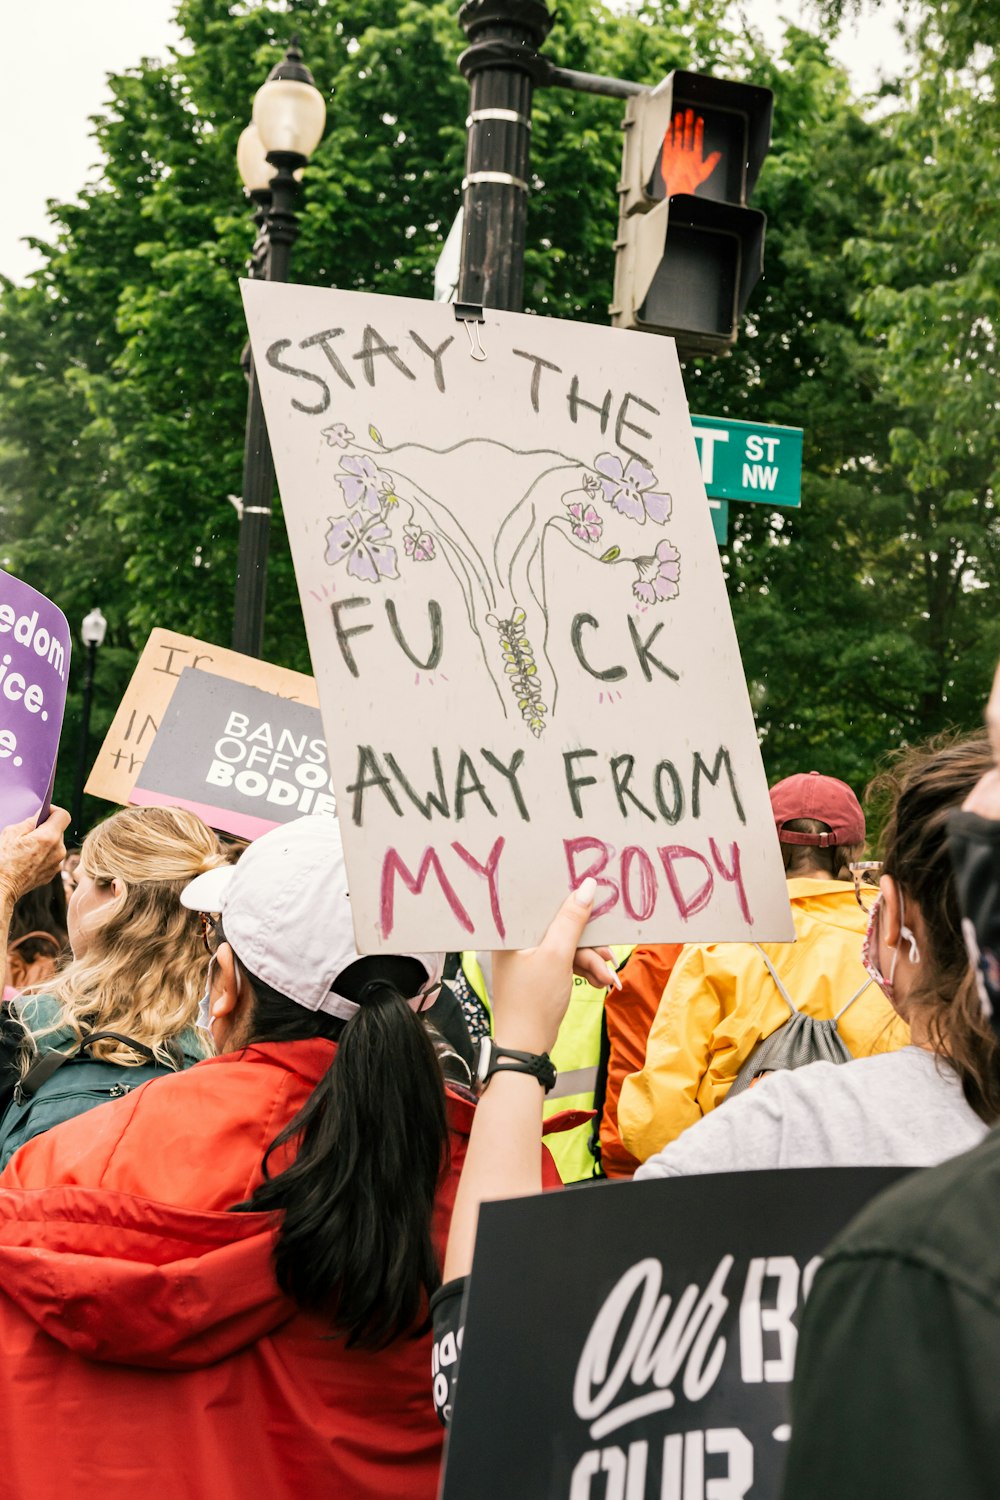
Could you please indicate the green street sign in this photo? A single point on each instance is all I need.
(720, 519)
(749, 461)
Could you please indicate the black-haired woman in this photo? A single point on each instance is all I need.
(154, 1339)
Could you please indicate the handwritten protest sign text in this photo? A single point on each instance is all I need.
(518, 623)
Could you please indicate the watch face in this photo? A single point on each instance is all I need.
(483, 1057)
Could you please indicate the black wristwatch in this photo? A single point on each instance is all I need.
(493, 1059)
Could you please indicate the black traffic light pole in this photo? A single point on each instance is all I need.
(503, 66)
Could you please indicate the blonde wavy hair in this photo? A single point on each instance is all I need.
(143, 973)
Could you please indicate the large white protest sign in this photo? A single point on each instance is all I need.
(518, 624)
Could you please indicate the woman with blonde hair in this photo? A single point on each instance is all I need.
(125, 1009)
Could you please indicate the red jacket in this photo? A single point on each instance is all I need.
(145, 1350)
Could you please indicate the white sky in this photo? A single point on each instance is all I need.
(60, 51)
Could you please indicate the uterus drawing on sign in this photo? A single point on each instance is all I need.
(390, 516)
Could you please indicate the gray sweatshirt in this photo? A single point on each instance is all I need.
(903, 1108)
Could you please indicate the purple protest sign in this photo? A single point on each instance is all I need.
(35, 647)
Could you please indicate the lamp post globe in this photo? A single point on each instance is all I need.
(251, 160)
(288, 110)
(93, 629)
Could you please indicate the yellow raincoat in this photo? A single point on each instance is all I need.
(721, 1001)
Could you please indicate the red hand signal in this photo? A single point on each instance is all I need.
(683, 165)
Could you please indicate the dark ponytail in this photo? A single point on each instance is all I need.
(357, 1202)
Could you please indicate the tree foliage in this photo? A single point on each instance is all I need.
(863, 617)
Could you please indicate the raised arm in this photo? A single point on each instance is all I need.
(531, 990)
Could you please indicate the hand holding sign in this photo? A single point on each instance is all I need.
(29, 855)
(532, 986)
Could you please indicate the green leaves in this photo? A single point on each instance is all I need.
(865, 618)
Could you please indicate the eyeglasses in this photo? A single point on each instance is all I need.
(210, 931)
(866, 874)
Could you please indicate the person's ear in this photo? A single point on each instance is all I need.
(889, 912)
(230, 1003)
(224, 995)
(17, 970)
(117, 888)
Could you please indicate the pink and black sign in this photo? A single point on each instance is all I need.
(242, 759)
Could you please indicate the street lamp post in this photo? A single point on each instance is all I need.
(288, 119)
(92, 633)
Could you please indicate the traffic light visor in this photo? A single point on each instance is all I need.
(714, 138)
(710, 258)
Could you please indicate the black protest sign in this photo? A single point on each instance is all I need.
(242, 759)
(636, 1341)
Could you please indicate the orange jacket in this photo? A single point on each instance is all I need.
(629, 1015)
(146, 1348)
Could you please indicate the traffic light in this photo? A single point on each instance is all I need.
(689, 250)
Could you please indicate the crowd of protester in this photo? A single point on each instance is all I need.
(241, 1165)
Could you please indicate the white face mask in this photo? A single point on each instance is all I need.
(869, 951)
(205, 1018)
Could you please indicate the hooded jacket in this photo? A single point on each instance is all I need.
(721, 1001)
(145, 1349)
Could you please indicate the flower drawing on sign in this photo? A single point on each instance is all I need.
(587, 522)
(659, 575)
(363, 483)
(418, 544)
(366, 543)
(337, 435)
(630, 489)
(392, 520)
(520, 667)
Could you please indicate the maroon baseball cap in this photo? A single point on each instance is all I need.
(824, 798)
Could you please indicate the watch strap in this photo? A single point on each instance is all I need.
(506, 1060)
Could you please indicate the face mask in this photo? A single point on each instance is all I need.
(204, 1018)
(869, 950)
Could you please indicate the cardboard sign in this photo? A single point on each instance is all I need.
(35, 648)
(636, 1341)
(140, 713)
(243, 760)
(519, 626)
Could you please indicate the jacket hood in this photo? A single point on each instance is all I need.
(116, 1233)
(133, 1282)
(830, 902)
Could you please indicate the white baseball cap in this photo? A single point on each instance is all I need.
(286, 913)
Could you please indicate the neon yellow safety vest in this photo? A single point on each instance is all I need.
(576, 1054)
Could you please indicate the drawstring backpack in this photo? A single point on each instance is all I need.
(798, 1041)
